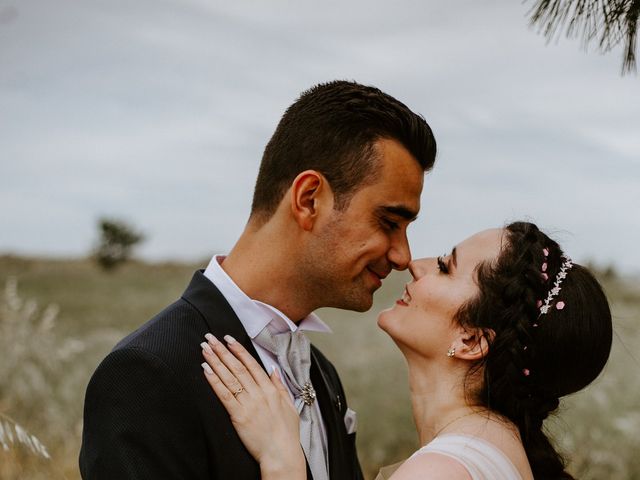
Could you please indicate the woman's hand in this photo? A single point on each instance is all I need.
(260, 408)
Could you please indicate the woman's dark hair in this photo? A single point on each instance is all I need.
(534, 359)
(331, 128)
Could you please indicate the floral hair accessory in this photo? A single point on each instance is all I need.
(562, 274)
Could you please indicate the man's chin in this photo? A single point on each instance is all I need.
(363, 308)
(357, 304)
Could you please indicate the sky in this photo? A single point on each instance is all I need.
(157, 112)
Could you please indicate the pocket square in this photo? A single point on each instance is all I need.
(350, 421)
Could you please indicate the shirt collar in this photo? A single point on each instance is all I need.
(253, 314)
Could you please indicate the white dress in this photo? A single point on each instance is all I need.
(482, 459)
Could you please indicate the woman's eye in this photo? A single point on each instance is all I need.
(442, 266)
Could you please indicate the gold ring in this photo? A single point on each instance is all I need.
(238, 392)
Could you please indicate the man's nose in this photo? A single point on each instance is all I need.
(400, 253)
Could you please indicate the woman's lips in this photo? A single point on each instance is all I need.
(406, 298)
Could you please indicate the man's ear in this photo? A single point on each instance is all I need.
(473, 343)
(309, 193)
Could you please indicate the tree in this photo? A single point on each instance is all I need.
(608, 21)
(117, 240)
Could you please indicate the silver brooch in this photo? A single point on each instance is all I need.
(308, 394)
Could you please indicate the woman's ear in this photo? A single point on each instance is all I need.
(308, 194)
(472, 343)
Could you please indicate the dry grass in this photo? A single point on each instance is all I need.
(50, 352)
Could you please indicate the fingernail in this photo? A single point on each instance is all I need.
(205, 346)
(212, 339)
(229, 339)
(207, 368)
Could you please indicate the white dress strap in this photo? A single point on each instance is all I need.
(482, 459)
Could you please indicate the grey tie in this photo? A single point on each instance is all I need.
(294, 356)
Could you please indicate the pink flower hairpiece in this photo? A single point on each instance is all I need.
(562, 274)
(546, 305)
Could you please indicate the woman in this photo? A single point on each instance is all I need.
(493, 333)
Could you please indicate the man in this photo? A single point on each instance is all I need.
(339, 182)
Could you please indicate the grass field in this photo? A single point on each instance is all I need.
(60, 317)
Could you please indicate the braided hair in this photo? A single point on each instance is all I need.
(535, 359)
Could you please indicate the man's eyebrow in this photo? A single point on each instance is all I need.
(400, 211)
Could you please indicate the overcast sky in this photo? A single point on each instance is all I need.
(158, 111)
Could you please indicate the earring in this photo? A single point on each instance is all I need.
(451, 352)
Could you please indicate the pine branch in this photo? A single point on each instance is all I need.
(611, 22)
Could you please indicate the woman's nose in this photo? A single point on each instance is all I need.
(421, 266)
(417, 267)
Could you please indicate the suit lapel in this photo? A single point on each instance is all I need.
(220, 318)
(330, 407)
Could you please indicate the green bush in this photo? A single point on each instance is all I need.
(117, 240)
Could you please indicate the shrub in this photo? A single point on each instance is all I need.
(116, 243)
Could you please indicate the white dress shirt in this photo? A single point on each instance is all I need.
(255, 316)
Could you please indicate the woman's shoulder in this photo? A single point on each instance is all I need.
(434, 466)
(461, 456)
(497, 439)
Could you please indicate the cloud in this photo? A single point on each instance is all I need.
(159, 112)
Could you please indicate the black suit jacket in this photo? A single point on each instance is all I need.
(150, 414)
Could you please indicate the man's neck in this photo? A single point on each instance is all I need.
(268, 276)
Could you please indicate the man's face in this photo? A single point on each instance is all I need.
(356, 248)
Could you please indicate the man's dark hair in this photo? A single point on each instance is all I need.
(332, 129)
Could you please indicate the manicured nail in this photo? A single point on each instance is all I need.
(212, 339)
(207, 368)
(205, 346)
(229, 339)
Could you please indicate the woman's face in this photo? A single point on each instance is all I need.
(421, 321)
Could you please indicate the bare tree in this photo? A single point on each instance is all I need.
(609, 22)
